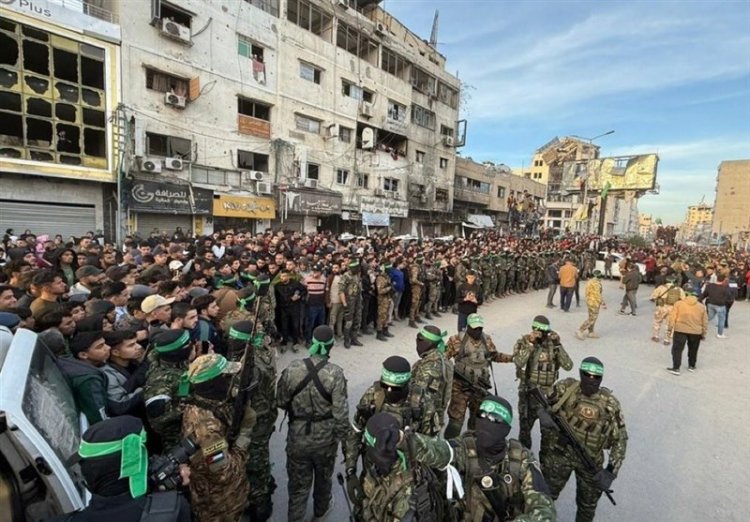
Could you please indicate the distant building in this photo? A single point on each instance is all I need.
(731, 215)
(697, 224)
(645, 225)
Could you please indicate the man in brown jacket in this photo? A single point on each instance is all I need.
(568, 275)
(689, 322)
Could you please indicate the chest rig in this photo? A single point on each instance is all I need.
(588, 417)
(471, 360)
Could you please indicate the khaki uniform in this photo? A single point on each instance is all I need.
(664, 297)
(417, 285)
(384, 289)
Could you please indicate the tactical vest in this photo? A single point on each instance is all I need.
(588, 417)
(541, 368)
(409, 413)
(472, 363)
(501, 487)
(673, 295)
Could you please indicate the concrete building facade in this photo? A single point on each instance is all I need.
(697, 224)
(59, 87)
(731, 214)
(296, 114)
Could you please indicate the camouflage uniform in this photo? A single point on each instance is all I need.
(384, 289)
(417, 286)
(316, 425)
(459, 277)
(664, 296)
(434, 374)
(598, 424)
(517, 476)
(218, 487)
(418, 412)
(162, 380)
(594, 302)
(486, 268)
(537, 365)
(433, 279)
(472, 360)
(350, 285)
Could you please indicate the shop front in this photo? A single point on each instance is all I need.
(245, 213)
(162, 207)
(381, 214)
(307, 210)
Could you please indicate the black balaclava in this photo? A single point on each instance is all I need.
(102, 474)
(381, 438)
(353, 267)
(591, 372)
(237, 338)
(173, 345)
(215, 389)
(474, 333)
(492, 428)
(541, 325)
(425, 345)
(262, 284)
(394, 378)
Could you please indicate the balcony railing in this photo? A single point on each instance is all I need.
(89, 7)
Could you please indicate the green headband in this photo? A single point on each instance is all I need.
(224, 281)
(319, 347)
(239, 336)
(371, 442)
(353, 264)
(243, 302)
(248, 276)
(394, 378)
(211, 372)
(133, 458)
(435, 338)
(592, 368)
(387, 266)
(174, 345)
(540, 326)
(495, 408)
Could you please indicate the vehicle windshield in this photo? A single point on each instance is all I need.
(48, 404)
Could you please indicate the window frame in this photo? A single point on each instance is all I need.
(342, 174)
(298, 118)
(317, 72)
(254, 109)
(169, 146)
(391, 184)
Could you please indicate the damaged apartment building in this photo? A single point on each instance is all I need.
(294, 114)
(59, 86)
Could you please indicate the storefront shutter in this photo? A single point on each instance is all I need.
(44, 218)
(164, 222)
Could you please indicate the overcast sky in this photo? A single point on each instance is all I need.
(671, 77)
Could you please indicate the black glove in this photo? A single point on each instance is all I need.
(604, 479)
(354, 487)
(545, 419)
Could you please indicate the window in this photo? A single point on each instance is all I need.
(390, 184)
(423, 117)
(309, 72)
(554, 213)
(168, 146)
(342, 176)
(473, 185)
(447, 95)
(501, 192)
(345, 134)
(252, 161)
(254, 109)
(308, 16)
(353, 41)
(175, 14)
(249, 49)
(393, 63)
(423, 81)
(419, 156)
(356, 92)
(396, 111)
(306, 124)
(163, 82)
(446, 131)
(443, 163)
(313, 171)
(363, 180)
(269, 6)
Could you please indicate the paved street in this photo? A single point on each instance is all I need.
(688, 454)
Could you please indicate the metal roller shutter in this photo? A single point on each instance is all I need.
(164, 222)
(45, 218)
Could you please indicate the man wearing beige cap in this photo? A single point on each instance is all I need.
(158, 310)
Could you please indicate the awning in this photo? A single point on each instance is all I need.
(481, 220)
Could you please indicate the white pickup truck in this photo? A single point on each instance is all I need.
(40, 430)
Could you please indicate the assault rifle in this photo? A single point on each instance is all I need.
(567, 432)
(245, 380)
(482, 388)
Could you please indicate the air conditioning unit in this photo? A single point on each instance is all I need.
(253, 175)
(448, 141)
(366, 109)
(175, 31)
(173, 164)
(333, 130)
(150, 165)
(311, 183)
(380, 192)
(380, 28)
(263, 188)
(175, 100)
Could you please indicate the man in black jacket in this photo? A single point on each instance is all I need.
(716, 296)
(630, 281)
(289, 297)
(469, 297)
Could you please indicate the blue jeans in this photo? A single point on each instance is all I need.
(316, 315)
(721, 311)
(566, 297)
(462, 321)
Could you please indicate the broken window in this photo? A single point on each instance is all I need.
(254, 109)
(447, 95)
(396, 111)
(53, 103)
(353, 41)
(423, 117)
(168, 146)
(308, 16)
(269, 6)
(163, 82)
(356, 92)
(392, 143)
(423, 81)
(309, 72)
(313, 171)
(441, 196)
(345, 134)
(249, 49)
(252, 161)
(175, 14)
(307, 124)
(390, 184)
(363, 180)
(393, 63)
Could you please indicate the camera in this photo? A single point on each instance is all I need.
(164, 470)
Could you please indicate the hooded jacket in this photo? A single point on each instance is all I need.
(689, 316)
(89, 387)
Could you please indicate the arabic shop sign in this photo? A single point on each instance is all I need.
(168, 198)
(313, 203)
(244, 207)
(377, 205)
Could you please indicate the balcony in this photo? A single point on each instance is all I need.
(471, 196)
(89, 8)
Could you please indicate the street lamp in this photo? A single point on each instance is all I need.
(586, 181)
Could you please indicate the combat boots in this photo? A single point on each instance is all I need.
(387, 333)
(355, 342)
(437, 314)
(347, 341)
(413, 324)
(580, 335)
(380, 336)
(428, 316)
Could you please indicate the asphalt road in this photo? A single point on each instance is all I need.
(688, 456)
